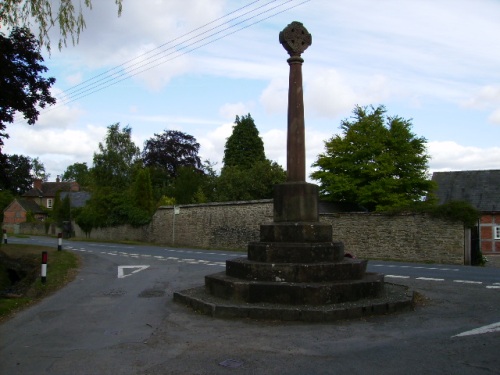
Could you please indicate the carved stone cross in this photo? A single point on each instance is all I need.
(295, 39)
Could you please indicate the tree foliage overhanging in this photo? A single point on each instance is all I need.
(377, 162)
(46, 14)
(22, 85)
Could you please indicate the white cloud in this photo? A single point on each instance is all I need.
(495, 117)
(230, 110)
(212, 143)
(74, 79)
(451, 156)
(488, 97)
(274, 98)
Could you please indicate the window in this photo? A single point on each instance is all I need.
(496, 233)
(50, 201)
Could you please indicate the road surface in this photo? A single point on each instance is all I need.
(118, 317)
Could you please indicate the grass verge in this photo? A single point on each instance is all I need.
(62, 267)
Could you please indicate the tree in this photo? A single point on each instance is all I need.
(244, 146)
(22, 86)
(186, 188)
(117, 157)
(142, 192)
(46, 15)
(17, 173)
(78, 172)
(38, 170)
(239, 184)
(170, 151)
(247, 174)
(377, 162)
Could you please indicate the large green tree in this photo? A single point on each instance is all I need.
(376, 162)
(247, 174)
(17, 173)
(78, 172)
(239, 184)
(47, 15)
(170, 151)
(116, 159)
(23, 87)
(244, 147)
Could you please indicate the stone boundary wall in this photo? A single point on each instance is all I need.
(231, 225)
(409, 237)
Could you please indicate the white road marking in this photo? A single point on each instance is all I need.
(398, 276)
(429, 279)
(467, 282)
(415, 267)
(495, 327)
(121, 274)
(493, 287)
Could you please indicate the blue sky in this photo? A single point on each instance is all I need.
(434, 61)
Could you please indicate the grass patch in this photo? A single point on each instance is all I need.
(62, 267)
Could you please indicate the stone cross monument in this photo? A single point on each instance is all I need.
(296, 271)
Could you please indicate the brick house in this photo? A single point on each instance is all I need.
(38, 199)
(17, 212)
(482, 190)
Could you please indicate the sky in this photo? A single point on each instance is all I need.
(194, 65)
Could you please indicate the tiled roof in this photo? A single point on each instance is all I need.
(49, 189)
(30, 205)
(479, 188)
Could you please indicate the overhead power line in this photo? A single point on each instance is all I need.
(184, 44)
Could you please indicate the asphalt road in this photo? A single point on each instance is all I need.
(118, 317)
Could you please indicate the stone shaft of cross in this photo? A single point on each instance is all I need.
(295, 39)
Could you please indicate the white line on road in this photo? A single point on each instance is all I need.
(398, 276)
(493, 287)
(467, 282)
(429, 279)
(495, 327)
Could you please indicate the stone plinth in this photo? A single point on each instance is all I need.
(296, 202)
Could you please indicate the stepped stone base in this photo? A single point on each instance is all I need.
(347, 269)
(296, 272)
(395, 298)
(308, 293)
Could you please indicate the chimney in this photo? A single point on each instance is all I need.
(37, 183)
(58, 179)
(74, 186)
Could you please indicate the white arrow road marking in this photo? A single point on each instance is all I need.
(495, 327)
(121, 275)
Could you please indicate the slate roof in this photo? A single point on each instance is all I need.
(76, 198)
(479, 188)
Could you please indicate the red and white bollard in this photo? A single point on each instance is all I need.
(59, 241)
(44, 267)
(5, 236)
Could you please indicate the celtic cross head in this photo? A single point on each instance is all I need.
(295, 39)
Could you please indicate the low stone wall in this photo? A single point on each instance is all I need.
(410, 237)
(232, 225)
